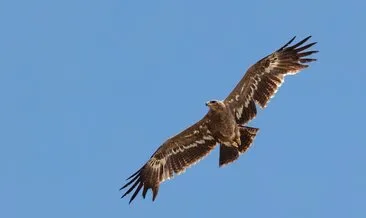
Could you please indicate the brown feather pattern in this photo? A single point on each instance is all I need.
(230, 154)
(263, 79)
(173, 157)
(258, 86)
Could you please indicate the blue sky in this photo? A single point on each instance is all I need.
(89, 89)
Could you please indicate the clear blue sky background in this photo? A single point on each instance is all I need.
(89, 89)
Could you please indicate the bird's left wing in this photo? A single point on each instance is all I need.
(263, 79)
(173, 157)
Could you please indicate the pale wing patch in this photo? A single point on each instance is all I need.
(268, 88)
(200, 141)
(254, 81)
(182, 148)
(272, 64)
(292, 72)
(239, 111)
(237, 97)
(195, 132)
(263, 79)
(169, 171)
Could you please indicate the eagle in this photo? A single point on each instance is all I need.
(225, 121)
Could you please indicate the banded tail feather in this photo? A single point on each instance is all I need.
(230, 154)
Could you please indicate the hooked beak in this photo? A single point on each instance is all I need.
(207, 103)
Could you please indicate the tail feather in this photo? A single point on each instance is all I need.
(230, 154)
(227, 155)
(247, 135)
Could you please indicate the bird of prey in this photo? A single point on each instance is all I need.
(224, 122)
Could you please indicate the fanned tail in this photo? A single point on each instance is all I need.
(230, 154)
(247, 135)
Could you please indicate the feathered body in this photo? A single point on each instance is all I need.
(224, 122)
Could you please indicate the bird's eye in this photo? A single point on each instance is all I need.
(212, 102)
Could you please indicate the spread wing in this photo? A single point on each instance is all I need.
(173, 157)
(263, 79)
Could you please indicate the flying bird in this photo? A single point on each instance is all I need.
(224, 122)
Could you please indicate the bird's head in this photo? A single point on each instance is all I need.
(216, 105)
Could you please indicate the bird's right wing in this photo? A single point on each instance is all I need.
(173, 157)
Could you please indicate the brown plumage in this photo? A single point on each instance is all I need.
(224, 122)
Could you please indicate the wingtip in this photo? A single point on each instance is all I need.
(291, 40)
(307, 60)
(155, 191)
(302, 42)
(287, 44)
(144, 191)
(308, 37)
(137, 172)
